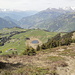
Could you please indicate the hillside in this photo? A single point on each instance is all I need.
(7, 18)
(16, 14)
(22, 38)
(63, 23)
(56, 60)
(51, 19)
(7, 24)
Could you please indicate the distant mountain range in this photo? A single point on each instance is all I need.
(54, 20)
(51, 19)
(10, 18)
(7, 24)
(16, 14)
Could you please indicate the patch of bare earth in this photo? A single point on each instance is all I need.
(73, 37)
(48, 59)
(70, 60)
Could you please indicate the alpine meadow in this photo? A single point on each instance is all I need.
(37, 37)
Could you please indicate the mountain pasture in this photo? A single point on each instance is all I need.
(18, 42)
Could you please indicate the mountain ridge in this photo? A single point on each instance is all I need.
(7, 24)
(50, 19)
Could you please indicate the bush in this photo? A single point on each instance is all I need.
(43, 46)
(73, 40)
(29, 51)
(38, 48)
(1, 44)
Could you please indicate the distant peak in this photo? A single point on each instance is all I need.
(48, 9)
(64, 8)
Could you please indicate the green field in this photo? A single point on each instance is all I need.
(18, 41)
(6, 31)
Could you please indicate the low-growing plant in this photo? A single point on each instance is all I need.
(38, 48)
(29, 51)
(55, 58)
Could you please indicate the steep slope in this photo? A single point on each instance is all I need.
(63, 23)
(50, 19)
(10, 19)
(28, 22)
(66, 22)
(7, 24)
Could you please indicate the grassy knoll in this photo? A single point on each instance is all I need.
(40, 34)
(18, 41)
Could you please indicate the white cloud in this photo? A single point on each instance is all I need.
(35, 4)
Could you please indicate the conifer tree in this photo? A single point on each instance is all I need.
(38, 48)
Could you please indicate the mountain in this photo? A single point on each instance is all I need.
(7, 24)
(10, 19)
(15, 14)
(66, 22)
(51, 19)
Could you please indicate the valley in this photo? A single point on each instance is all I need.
(37, 43)
(19, 56)
(20, 40)
(53, 20)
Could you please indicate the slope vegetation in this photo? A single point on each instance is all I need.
(7, 24)
(18, 42)
(51, 19)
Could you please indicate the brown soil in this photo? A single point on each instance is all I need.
(62, 67)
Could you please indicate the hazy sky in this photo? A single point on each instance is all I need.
(35, 4)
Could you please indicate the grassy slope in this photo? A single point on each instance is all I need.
(59, 60)
(8, 30)
(18, 41)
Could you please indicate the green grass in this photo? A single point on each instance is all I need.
(8, 30)
(55, 58)
(40, 34)
(20, 39)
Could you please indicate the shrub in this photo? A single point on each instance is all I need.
(1, 44)
(38, 48)
(29, 51)
(73, 40)
(43, 46)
